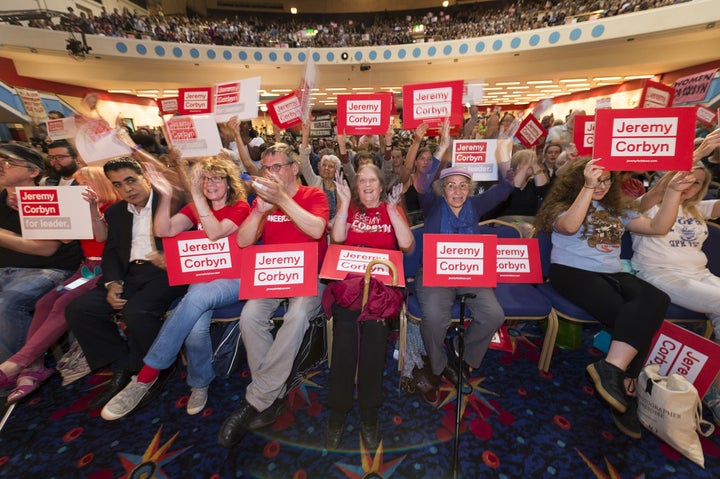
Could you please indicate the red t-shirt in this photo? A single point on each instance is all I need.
(371, 229)
(279, 228)
(235, 213)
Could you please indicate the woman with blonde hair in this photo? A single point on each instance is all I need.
(25, 368)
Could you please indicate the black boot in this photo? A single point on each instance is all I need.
(609, 382)
(334, 431)
(370, 428)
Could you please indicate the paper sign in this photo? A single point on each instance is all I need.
(656, 95)
(193, 258)
(645, 139)
(96, 141)
(478, 157)
(530, 131)
(306, 85)
(364, 114)
(472, 94)
(432, 103)
(706, 115)
(584, 134)
(321, 126)
(194, 101)
(341, 260)
(693, 88)
(61, 128)
(462, 261)
(54, 212)
(518, 260)
(680, 351)
(279, 271)
(168, 106)
(195, 135)
(285, 111)
(239, 98)
(33, 104)
(601, 103)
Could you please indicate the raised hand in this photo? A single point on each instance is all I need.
(592, 173)
(393, 198)
(157, 180)
(342, 188)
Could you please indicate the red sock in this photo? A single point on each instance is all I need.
(147, 374)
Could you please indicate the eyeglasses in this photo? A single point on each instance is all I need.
(58, 157)
(274, 168)
(606, 182)
(457, 186)
(5, 163)
(213, 179)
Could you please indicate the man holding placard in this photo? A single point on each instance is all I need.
(28, 268)
(284, 212)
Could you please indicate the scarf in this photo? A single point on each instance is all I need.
(464, 223)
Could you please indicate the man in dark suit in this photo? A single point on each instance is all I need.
(134, 284)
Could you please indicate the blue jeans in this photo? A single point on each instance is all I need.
(20, 289)
(190, 323)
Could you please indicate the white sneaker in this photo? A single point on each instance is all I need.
(126, 400)
(712, 400)
(197, 401)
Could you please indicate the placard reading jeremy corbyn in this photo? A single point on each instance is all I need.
(364, 114)
(191, 257)
(432, 103)
(54, 212)
(645, 139)
(459, 260)
(279, 271)
(341, 260)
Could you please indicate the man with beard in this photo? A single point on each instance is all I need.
(63, 161)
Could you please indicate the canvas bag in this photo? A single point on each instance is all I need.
(670, 408)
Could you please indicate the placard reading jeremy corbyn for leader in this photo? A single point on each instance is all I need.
(194, 135)
(518, 260)
(645, 139)
(459, 260)
(279, 271)
(54, 212)
(478, 157)
(191, 257)
(341, 260)
(238, 98)
(194, 101)
(364, 114)
(432, 103)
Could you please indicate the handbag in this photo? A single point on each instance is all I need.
(670, 408)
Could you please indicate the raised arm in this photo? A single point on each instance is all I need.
(234, 125)
(661, 223)
(338, 232)
(164, 224)
(572, 220)
(420, 132)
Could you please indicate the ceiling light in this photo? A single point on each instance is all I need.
(147, 91)
(507, 83)
(575, 85)
(293, 10)
(638, 77)
(282, 90)
(539, 82)
(336, 89)
(119, 91)
(493, 88)
(362, 88)
(573, 80)
(607, 79)
(546, 87)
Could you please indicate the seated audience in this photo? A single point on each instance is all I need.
(587, 215)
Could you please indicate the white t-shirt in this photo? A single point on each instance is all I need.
(680, 249)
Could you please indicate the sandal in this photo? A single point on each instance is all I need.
(7, 381)
(37, 376)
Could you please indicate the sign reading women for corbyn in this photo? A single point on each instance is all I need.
(459, 260)
(432, 103)
(279, 271)
(478, 157)
(645, 139)
(364, 114)
(341, 260)
(193, 258)
(54, 212)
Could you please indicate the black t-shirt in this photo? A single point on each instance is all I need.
(67, 257)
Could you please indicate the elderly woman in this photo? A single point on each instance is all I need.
(449, 208)
(218, 208)
(587, 216)
(329, 165)
(368, 219)
(676, 264)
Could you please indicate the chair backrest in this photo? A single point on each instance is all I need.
(411, 261)
(545, 245)
(501, 229)
(711, 248)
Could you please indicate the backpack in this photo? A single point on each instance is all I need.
(226, 340)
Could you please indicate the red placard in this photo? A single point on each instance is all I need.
(518, 260)
(704, 115)
(459, 260)
(645, 139)
(364, 114)
(530, 131)
(285, 111)
(279, 271)
(194, 101)
(678, 350)
(341, 260)
(584, 134)
(168, 106)
(693, 88)
(656, 95)
(191, 258)
(432, 103)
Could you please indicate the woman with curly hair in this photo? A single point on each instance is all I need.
(587, 216)
(218, 208)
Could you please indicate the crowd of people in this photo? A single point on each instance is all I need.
(357, 30)
(361, 192)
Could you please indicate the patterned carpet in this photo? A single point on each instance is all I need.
(518, 423)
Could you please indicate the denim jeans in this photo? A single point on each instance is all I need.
(20, 289)
(190, 323)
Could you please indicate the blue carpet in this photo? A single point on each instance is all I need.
(518, 423)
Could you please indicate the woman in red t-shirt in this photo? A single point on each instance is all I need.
(26, 368)
(370, 219)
